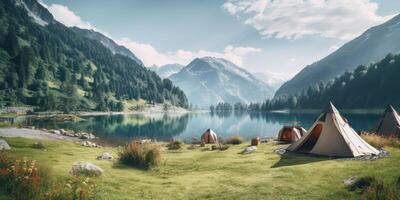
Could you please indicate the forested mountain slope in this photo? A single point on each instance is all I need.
(372, 86)
(45, 64)
(370, 47)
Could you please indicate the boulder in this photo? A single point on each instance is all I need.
(249, 149)
(89, 144)
(4, 145)
(57, 132)
(86, 169)
(105, 156)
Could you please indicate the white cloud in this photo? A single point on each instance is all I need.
(146, 52)
(150, 56)
(67, 17)
(343, 19)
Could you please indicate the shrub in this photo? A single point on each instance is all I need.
(381, 190)
(23, 178)
(76, 187)
(139, 154)
(175, 145)
(38, 145)
(380, 141)
(362, 183)
(235, 140)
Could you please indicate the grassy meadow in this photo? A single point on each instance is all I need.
(205, 174)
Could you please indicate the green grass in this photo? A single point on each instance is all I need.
(198, 174)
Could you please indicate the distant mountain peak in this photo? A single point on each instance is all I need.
(209, 80)
(167, 70)
(36, 11)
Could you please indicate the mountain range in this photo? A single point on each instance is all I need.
(207, 81)
(372, 46)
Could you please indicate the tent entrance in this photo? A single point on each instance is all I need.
(312, 139)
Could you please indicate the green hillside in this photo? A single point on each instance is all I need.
(45, 64)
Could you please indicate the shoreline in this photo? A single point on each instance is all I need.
(14, 132)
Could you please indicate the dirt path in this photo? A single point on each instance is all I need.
(32, 134)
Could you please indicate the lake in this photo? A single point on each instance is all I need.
(123, 128)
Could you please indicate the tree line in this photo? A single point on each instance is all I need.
(372, 86)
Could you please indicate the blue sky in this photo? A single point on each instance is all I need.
(258, 35)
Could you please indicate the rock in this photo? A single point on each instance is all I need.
(57, 132)
(350, 181)
(4, 145)
(86, 169)
(105, 156)
(249, 149)
(89, 144)
(63, 131)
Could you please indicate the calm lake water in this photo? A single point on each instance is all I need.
(123, 128)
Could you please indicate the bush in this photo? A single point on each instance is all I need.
(38, 145)
(23, 178)
(235, 140)
(362, 183)
(175, 145)
(381, 190)
(142, 155)
(77, 187)
(379, 141)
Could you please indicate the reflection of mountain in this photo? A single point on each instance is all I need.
(123, 128)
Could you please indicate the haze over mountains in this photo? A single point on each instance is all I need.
(207, 81)
(372, 46)
(166, 71)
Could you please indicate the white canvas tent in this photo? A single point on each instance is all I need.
(209, 137)
(389, 123)
(331, 135)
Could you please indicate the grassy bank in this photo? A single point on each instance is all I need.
(199, 174)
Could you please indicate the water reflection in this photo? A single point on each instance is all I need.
(123, 128)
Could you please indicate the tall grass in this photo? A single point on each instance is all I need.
(380, 141)
(143, 155)
(373, 189)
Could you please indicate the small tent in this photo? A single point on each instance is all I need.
(331, 135)
(209, 137)
(290, 134)
(389, 123)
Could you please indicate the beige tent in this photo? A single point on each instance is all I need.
(331, 135)
(291, 134)
(389, 123)
(209, 137)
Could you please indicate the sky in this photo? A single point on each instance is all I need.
(270, 36)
